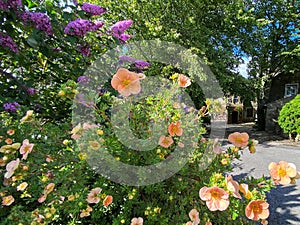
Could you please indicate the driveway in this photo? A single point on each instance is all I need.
(284, 200)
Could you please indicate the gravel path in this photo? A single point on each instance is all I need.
(284, 200)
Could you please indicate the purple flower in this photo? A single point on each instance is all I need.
(140, 64)
(83, 79)
(7, 42)
(93, 9)
(80, 27)
(75, 2)
(31, 91)
(37, 106)
(11, 107)
(84, 49)
(10, 4)
(40, 20)
(119, 28)
(125, 58)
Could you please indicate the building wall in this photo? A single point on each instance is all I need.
(277, 89)
(272, 113)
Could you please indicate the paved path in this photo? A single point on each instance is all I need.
(284, 200)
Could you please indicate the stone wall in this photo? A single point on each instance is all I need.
(272, 114)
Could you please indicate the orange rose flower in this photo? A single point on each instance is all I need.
(216, 198)
(283, 172)
(233, 186)
(174, 128)
(165, 141)
(108, 200)
(194, 216)
(184, 81)
(126, 82)
(7, 200)
(244, 188)
(257, 209)
(239, 139)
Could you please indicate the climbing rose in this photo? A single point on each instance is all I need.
(165, 142)
(184, 81)
(257, 209)
(282, 172)
(239, 139)
(7, 200)
(108, 200)
(93, 196)
(216, 198)
(137, 221)
(174, 128)
(194, 216)
(126, 82)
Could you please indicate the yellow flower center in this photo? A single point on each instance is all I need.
(256, 208)
(215, 195)
(281, 172)
(126, 82)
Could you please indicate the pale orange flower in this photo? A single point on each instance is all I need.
(244, 188)
(194, 216)
(11, 167)
(233, 186)
(22, 186)
(282, 172)
(10, 132)
(184, 81)
(216, 198)
(165, 141)
(49, 188)
(86, 212)
(8, 141)
(42, 198)
(239, 139)
(257, 209)
(208, 223)
(127, 82)
(174, 128)
(7, 200)
(108, 200)
(26, 148)
(137, 221)
(93, 196)
(189, 223)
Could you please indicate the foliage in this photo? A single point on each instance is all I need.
(289, 117)
(46, 171)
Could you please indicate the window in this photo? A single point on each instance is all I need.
(290, 90)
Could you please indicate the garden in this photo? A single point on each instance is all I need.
(99, 126)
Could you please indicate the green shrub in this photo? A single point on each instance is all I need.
(289, 117)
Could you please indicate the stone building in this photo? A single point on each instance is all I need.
(239, 112)
(284, 87)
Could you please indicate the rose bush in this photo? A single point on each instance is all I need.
(44, 155)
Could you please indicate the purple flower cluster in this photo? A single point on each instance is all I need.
(140, 64)
(80, 27)
(11, 107)
(31, 91)
(7, 42)
(93, 9)
(84, 50)
(83, 79)
(119, 28)
(10, 4)
(40, 20)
